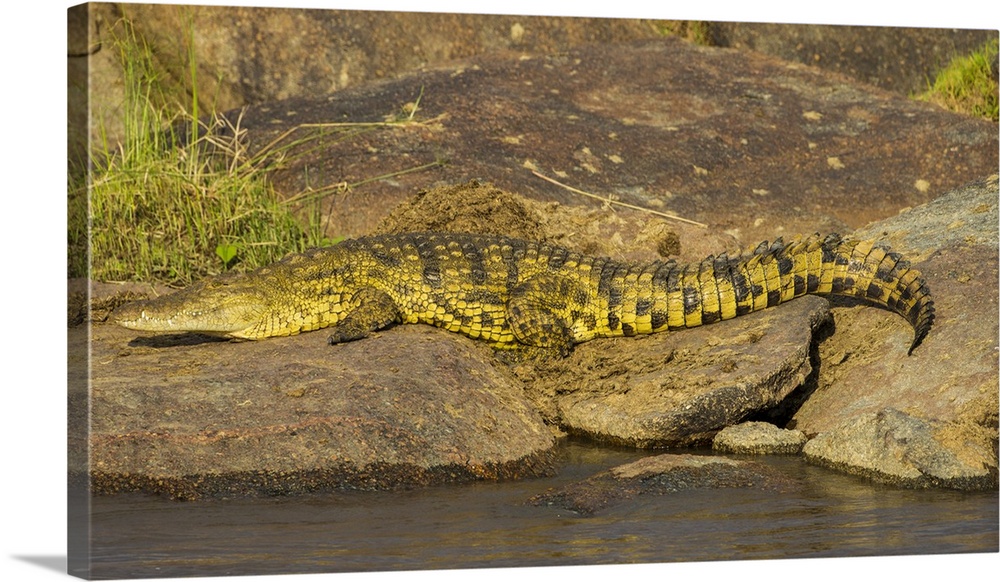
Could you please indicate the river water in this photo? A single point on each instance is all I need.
(491, 525)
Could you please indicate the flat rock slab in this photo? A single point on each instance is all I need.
(678, 389)
(185, 415)
(660, 475)
(734, 139)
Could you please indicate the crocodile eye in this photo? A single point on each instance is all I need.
(215, 284)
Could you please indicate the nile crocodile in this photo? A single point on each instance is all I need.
(514, 293)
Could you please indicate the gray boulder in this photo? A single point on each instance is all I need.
(949, 381)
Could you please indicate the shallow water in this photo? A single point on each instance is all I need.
(490, 525)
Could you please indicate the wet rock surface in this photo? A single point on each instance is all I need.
(186, 415)
(660, 475)
(758, 438)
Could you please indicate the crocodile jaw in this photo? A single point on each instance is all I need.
(194, 310)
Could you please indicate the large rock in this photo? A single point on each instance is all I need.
(869, 392)
(745, 143)
(256, 55)
(953, 241)
(678, 389)
(185, 415)
(892, 57)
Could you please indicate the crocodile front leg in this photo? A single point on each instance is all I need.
(375, 310)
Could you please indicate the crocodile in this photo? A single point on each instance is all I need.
(515, 293)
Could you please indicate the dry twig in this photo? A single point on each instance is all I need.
(608, 200)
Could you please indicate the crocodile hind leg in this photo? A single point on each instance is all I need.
(541, 312)
(374, 310)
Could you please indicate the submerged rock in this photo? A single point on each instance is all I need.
(759, 438)
(660, 475)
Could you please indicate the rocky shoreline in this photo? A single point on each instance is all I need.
(187, 415)
(771, 148)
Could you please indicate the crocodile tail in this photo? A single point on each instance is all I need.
(776, 272)
(722, 287)
(873, 272)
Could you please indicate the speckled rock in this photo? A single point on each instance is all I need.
(898, 58)
(743, 142)
(758, 438)
(953, 241)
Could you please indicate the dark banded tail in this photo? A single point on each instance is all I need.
(724, 287)
(873, 272)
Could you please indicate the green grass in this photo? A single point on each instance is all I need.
(178, 199)
(968, 84)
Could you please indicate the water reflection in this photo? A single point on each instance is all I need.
(490, 524)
